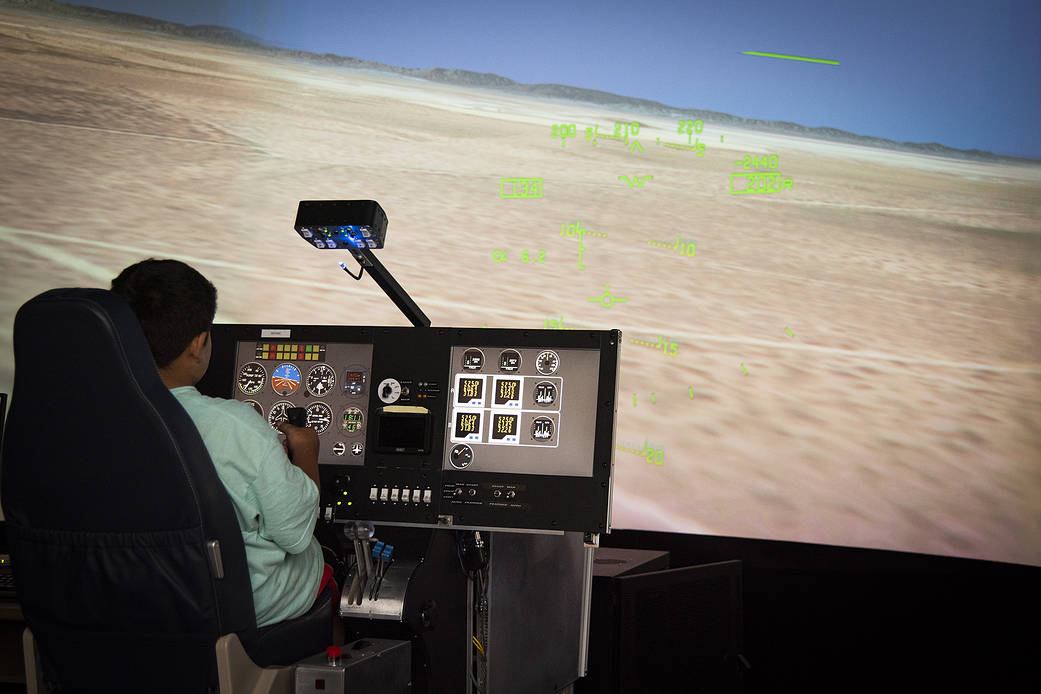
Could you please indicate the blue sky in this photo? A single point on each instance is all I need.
(964, 74)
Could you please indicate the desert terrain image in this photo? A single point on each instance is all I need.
(853, 360)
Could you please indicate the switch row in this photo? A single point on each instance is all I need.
(415, 496)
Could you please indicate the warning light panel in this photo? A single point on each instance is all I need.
(285, 351)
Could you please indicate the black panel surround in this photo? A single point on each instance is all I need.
(387, 455)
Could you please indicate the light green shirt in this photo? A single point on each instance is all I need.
(275, 502)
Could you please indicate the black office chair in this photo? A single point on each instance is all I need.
(130, 567)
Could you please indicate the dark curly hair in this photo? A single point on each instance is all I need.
(173, 302)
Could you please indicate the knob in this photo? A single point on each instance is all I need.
(471, 491)
(510, 494)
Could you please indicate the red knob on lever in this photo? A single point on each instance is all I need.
(334, 654)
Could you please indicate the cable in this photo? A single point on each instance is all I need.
(361, 270)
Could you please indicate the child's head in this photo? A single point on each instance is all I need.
(173, 302)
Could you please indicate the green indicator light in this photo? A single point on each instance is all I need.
(790, 57)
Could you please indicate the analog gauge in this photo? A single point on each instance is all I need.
(354, 381)
(320, 380)
(285, 379)
(256, 406)
(509, 360)
(461, 456)
(279, 412)
(473, 359)
(352, 421)
(547, 362)
(545, 393)
(319, 416)
(339, 448)
(542, 429)
(251, 378)
(389, 390)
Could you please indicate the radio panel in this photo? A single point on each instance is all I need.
(483, 428)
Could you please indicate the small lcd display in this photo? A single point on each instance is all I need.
(504, 425)
(470, 389)
(354, 382)
(507, 390)
(467, 424)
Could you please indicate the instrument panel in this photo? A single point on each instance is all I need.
(329, 381)
(463, 427)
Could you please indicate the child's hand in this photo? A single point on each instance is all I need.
(301, 442)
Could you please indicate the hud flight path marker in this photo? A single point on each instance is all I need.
(790, 57)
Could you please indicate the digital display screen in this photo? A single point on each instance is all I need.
(507, 390)
(470, 389)
(352, 420)
(354, 382)
(504, 425)
(403, 432)
(467, 424)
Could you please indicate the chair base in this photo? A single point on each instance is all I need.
(236, 671)
(238, 674)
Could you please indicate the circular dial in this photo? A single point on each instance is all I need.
(461, 456)
(389, 390)
(352, 421)
(279, 412)
(339, 448)
(545, 393)
(251, 378)
(319, 416)
(509, 360)
(547, 362)
(473, 359)
(542, 429)
(320, 380)
(285, 379)
(256, 406)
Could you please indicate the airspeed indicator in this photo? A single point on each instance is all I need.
(252, 377)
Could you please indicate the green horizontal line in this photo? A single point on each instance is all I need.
(791, 57)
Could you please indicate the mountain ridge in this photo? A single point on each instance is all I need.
(226, 36)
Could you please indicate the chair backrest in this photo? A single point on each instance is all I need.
(111, 501)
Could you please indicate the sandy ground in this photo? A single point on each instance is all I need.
(886, 309)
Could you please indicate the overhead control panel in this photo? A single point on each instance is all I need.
(475, 428)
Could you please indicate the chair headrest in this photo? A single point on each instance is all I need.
(94, 438)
